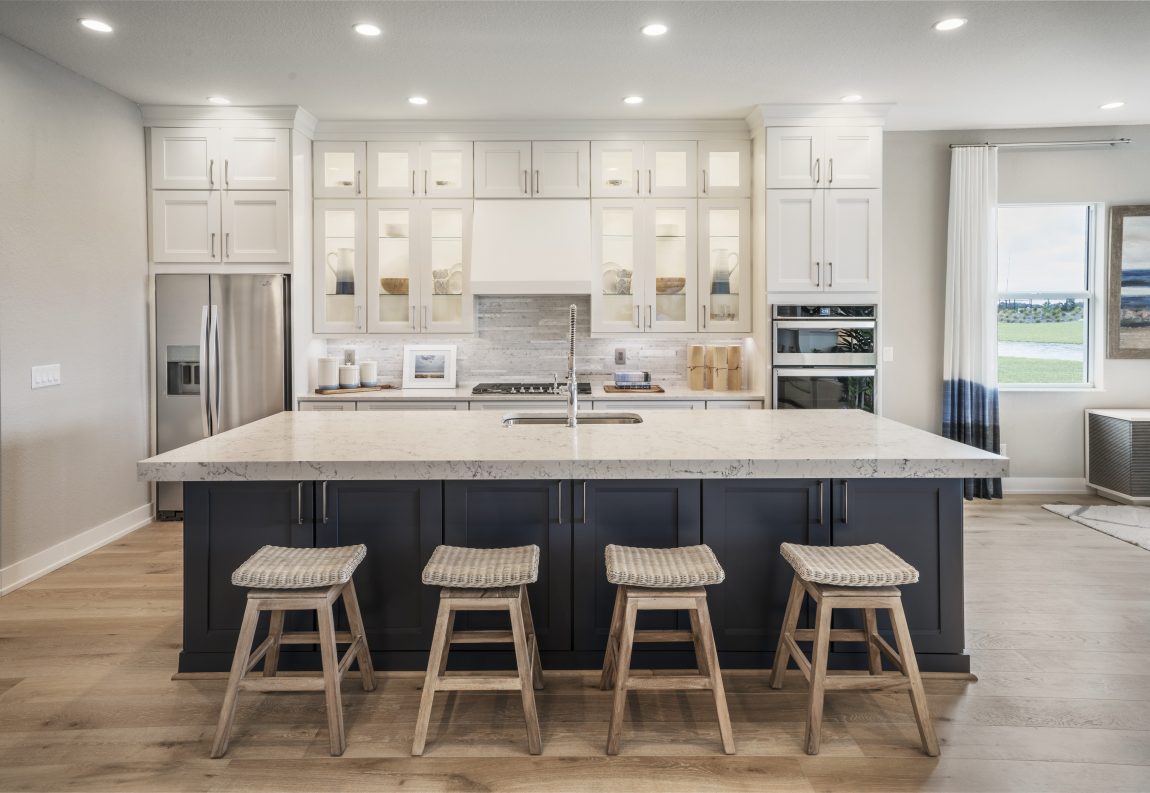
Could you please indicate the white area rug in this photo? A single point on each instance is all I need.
(1131, 524)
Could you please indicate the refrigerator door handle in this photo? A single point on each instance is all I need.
(214, 368)
(205, 373)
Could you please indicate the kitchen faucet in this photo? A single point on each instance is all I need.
(572, 383)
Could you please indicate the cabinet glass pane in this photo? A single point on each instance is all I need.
(618, 169)
(446, 265)
(338, 168)
(671, 168)
(394, 265)
(339, 259)
(723, 169)
(393, 171)
(618, 265)
(446, 170)
(723, 264)
(671, 265)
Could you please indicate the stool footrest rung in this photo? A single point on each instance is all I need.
(837, 635)
(671, 682)
(482, 637)
(892, 681)
(281, 684)
(663, 636)
(312, 637)
(477, 683)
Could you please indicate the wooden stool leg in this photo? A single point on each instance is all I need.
(331, 677)
(790, 622)
(239, 667)
(910, 669)
(622, 672)
(819, 654)
(606, 679)
(716, 674)
(523, 662)
(447, 644)
(532, 639)
(697, 640)
(355, 622)
(275, 631)
(874, 657)
(436, 660)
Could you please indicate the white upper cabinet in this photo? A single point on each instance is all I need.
(670, 264)
(392, 169)
(725, 265)
(561, 169)
(185, 159)
(617, 295)
(724, 169)
(393, 271)
(503, 169)
(186, 226)
(670, 168)
(447, 170)
(339, 266)
(448, 305)
(824, 157)
(642, 169)
(824, 240)
(256, 226)
(337, 169)
(795, 240)
(852, 234)
(615, 166)
(256, 159)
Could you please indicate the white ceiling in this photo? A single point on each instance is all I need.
(1015, 64)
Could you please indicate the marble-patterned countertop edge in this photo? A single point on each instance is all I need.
(672, 391)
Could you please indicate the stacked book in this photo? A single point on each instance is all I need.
(633, 381)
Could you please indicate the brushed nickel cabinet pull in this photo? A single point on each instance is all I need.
(818, 274)
(846, 500)
(704, 181)
(227, 243)
(536, 181)
(818, 169)
(831, 170)
(525, 190)
(213, 245)
(413, 325)
(649, 313)
(413, 181)
(584, 518)
(358, 174)
(559, 503)
(424, 317)
(425, 181)
(323, 497)
(227, 181)
(358, 317)
(703, 312)
(636, 181)
(299, 502)
(637, 325)
(830, 275)
(211, 173)
(650, 182)
(821, 502)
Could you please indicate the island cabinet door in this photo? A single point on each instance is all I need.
(921, 521)
(224, 524)
(503, 514)
(745, 521)
(655, 513)
(401, 523)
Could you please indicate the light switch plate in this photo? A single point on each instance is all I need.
(620, 356)
(888, 354)
(47, 375)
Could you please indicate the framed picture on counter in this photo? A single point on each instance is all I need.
(429, 365)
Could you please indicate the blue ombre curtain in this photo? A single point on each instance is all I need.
(970, 357)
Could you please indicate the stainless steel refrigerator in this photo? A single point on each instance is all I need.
(223, 359)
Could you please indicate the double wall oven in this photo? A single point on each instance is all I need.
(824, 357)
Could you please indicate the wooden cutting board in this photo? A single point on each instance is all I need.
(362, 389)
(654, 389)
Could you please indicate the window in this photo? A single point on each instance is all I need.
(1046, 301)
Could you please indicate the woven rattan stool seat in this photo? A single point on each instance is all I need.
(273, 567)
(482, 568)
(663, 568)
(849, 565)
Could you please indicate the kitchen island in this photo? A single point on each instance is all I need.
(403, 482)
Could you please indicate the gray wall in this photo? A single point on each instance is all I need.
(74, 274)
(1042, 430)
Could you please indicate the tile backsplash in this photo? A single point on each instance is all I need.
(525, 338)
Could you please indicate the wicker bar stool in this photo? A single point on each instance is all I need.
(850, 577)
(298, 579)
(662, 579)
(483, 579)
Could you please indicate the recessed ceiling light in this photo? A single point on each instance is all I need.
(96, 25)
(219, 100)
(367, 29)
(654, 29)
(851, 98)
(633, 100)
(1111, 105)
(417, 100)
(953, 23)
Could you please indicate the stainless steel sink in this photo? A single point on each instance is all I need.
(590, 417)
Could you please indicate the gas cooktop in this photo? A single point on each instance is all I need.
(536, 389)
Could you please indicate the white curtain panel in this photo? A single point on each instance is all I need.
(970, 356)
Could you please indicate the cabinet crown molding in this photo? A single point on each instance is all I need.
(271, 116)
(526, 130)
(819, 115)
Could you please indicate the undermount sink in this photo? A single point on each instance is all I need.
(560, 419)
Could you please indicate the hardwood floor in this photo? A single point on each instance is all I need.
(1058, 624)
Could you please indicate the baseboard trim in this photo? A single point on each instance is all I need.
(40, 564)
(1045, 484)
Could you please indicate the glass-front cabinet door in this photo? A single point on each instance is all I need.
(337, 169)
(340, 266)
(615, 166)
(616, 288)
(392, 169)
(670, 229)
(669, 168)
(725, 264)
(446, 169)
(392, 266)
(445, 278)
(724, 169)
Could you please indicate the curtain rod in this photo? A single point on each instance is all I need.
(1042, 144)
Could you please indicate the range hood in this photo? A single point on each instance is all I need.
(531, 247)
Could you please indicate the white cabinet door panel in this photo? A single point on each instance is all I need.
(725, 265)
(337, 169)
(724, 169)
(257, 159)
(853, 240)
(257, 226)
(794, 240)
(670, 273)
(561, 169)
(734, 404)
(393, 265)
(317, 405)
(640, 405)
(411, 404)
(502, 169)
(392, 169)
(186, 226)
(447, 169)
(794, 157)
(617, 273)
(670, 168)
(853, 157)
(185, 159)
(339, 266)
(615, 168)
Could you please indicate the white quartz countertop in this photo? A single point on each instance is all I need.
(669, 444)
(463, 392)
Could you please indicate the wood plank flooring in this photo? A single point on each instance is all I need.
(1057, 617)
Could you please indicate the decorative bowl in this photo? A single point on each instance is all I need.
(669, 286)
(394, 286)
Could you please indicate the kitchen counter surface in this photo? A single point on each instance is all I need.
(669, 444)
(463, 392)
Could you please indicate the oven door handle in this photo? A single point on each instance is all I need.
(823, 371)
(816, 324)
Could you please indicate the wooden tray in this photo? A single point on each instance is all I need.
(330, 391)
(654, 389)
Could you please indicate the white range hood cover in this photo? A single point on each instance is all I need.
(531, 247)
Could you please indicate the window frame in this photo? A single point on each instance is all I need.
(1094, 308)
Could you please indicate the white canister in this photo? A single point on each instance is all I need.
(328, 373)
(368, 373)
(349, 376)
